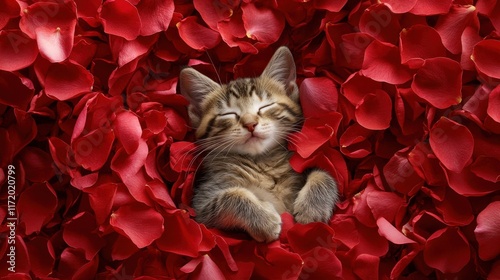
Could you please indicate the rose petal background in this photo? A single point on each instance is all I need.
(401, 105)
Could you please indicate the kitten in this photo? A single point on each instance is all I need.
(246, 180)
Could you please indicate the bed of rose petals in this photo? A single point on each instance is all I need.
(402, 106)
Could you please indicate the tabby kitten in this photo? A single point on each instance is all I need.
(246, 180)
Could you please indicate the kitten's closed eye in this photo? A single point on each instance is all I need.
(263, 108)
(228, 114)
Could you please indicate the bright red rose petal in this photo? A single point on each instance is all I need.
(8, 9)
(452, 143)
(36, 206)
(357, 86)
(439, 82)
(383, 63)
(128, 130)
(451, 26)
(374, 111)
(53, 27)
(431, 7)
(318, 96)
(447, 250)
(18, 51)
(92, 150)
(392, 234)
(67, 80)
(488, 231)
(262, 24)
(113, 14)
(140, 223)
(399, 7)
(155, 15)
(196, 35)
(493, 109)
(101, 199)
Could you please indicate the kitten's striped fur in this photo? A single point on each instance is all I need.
(246, 180)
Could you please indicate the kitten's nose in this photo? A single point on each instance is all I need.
(250, 126)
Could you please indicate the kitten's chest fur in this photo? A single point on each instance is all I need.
(270, 176)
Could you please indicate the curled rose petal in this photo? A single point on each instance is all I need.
(378, 21)
(128, 130)
(399, 7)
(452, 143)
(318, 96)
(37, 205)
(80, 233)
(8, 9)
(67, 80)
(38, 162)
(439, 82)
(493, 109)
(447, 250)
(18, 51)
(92, 150)
(140, 223)
(392, 234)
(383, 63)
(400, 174)
(488, 231)
(374, 111)
(486, 168)
(155, 15)
(113, 13)
(455, 209)
(485, 57)
(196, 35)
(354, 141)
(451, 26)
(42, 256)
(357, 86)
(101, 199)
(53, 27)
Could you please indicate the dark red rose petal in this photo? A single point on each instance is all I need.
(455, 209)
(318, 96)
(357, 86)
(374, 111)
(384, 204)
(467, 183)
(101, 199)
(92, 150)
(262, 24)
(486, 168)
(53, 27)
(383, 63)
(196, 35)
(18, 50)
(447, 250)
(451, 26)
(439, 82)
(155, 15)
(332, 6)
(37, 205)
(304, 238)
(140, 223)
(420, 41)
(42, 256)
(401, 175)
(38, 162)
(488, 231)
(113, 13)
(366, 266)
(80, 233)
(16, 90)
(378, 21)
(485, 56)
(67, 80)
(8, 9)
(452, 143)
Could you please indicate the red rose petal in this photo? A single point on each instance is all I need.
(155, 15)
(401, 175)
(215, 12)
(420, 41)
(439, 82)
(262, 24)
(39, 164)
(493, 109)
(354, 141)
(140, 223)
(37, 205)
(332, 6)
(101, 199)
(366, 266)
(80, 233)
(321, 263)
(467, 183)
(357, 86)
(392, 234)
(42, 256)
(196, 35)
(486, 168)
(113, 13)
(374, 111)
(128, 130)
(318, 96)
(67, 80)
(452, 143)
(383, 63)
(8, 9)
(399, 7)
(378, 21)
(53, 27)
(488, 231)
(16, 92)
(384, 204)
(431, 7)
(304, 238)
(92, 150)
(447, 250)
(485, 57)
(313, 135)
(18, 50)
(455, 209)
(451, 26)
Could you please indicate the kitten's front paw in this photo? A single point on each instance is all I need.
(267, 228)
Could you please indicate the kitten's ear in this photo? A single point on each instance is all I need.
(195, 87)
(281, 67)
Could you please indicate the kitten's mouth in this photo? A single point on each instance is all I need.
(253, 137)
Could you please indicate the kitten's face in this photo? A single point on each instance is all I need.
(246, 116)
